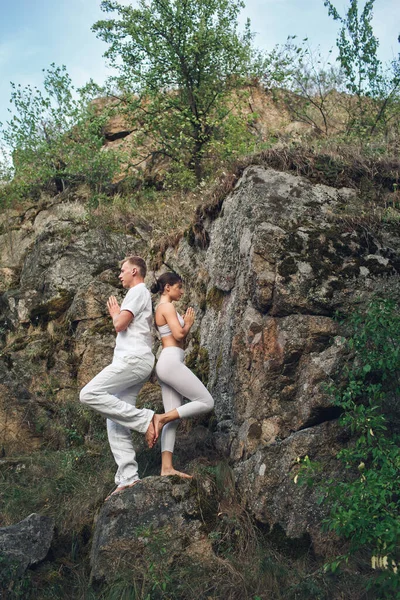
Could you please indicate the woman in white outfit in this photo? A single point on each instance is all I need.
(177, 381)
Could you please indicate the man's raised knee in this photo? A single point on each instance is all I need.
(84, 396)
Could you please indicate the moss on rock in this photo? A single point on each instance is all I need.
(215, 298)
(198, 360)
(53, 309)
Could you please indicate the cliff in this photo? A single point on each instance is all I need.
(266, 269)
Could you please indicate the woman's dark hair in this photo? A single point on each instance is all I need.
(164, 279)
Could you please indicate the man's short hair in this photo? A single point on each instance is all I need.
(138, 262)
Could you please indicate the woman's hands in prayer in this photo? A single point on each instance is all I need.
(189, 316)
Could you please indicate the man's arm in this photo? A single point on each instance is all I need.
(120, 318)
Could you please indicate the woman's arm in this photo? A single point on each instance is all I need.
(170, 316)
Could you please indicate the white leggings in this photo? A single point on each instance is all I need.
(177, 381)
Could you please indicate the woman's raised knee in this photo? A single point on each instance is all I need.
(210, 402)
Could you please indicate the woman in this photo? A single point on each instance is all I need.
(177, 381)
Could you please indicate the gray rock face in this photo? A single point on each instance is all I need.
(53, 316)
(27, 542)
(134, 526)
(266, 477)
(279, 266)
(280, 261)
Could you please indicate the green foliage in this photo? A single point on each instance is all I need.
(55, 137)
(364, 505)
(310, 83)
(359, 99)
(358, 47)
(66, 484)
(179, 63)
(364, 75)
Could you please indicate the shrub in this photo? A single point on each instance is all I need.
(364, 505)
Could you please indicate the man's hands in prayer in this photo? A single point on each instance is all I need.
(113, 306)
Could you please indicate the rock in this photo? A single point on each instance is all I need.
(274, 266)
(25, 543)
(8, 278)
(117, 127)
(68, 264)
(97, 354)
(266, 480)
(90, 302)
(134, 527)
(266, 270)
(13, 247)
(14, 400)
(61, 217)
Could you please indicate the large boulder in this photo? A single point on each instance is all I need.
(160, 517)
(24, 544)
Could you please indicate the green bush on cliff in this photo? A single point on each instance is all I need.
(55, 137)
(364, 504)
(356, 99)
(364, 75)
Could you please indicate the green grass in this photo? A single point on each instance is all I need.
(71, 484)
(66, 484)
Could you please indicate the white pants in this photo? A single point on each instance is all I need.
(113, 394)
(177, 381)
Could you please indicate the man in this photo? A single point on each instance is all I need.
(114, 390)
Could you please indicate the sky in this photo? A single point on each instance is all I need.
(36, 33)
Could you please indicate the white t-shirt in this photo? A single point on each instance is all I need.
(137, 338)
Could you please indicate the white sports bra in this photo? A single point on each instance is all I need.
(165, 330)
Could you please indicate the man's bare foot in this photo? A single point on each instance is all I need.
(121, 488)
(153, 431)
(149, 436)
(158, 425)
(172, 471)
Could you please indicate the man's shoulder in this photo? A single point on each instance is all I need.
(137, 293)
(138, 290)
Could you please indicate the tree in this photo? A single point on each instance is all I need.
(55, 136)
(363, 501)
(179, 62)
(357, 47)
(363, 71)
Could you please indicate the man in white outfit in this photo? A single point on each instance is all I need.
(114, 390)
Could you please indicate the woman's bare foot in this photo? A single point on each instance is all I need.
(171, 471)
(121, 488)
